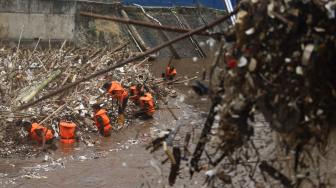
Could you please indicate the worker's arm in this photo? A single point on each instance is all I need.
(113, 94)
(146, 107)
(43, 140)
(41, 134)
(120, 100)
(101, 125)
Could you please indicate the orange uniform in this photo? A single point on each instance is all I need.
(104, 121)
(47, 132)
(147, 104)
(117, 91)
(170, 72)
(67, 132)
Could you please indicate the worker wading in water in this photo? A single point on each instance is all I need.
(170, 73)
(101, 120)
(147, 106)
(40, 134)
(118, 92)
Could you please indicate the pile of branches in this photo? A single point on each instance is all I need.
(278, 63)
(27, 74)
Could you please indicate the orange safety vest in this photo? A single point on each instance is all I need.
(117, 91)
(170, 72)
(147, 104)
(106, 121)
(67, 132)
(48, 134)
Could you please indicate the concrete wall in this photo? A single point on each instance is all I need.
(37, 18)
(45, 26)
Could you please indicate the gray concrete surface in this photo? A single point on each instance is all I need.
(59, 20)
(44, 26)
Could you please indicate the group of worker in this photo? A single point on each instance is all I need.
(138, 94)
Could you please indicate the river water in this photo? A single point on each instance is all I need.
(120, 160)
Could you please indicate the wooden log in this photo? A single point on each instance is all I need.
(33, 91)
(135, 33)
(144, 24)
(52, 114)
(161, 33)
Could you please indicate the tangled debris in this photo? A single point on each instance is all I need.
(25, 75)
(277, 62)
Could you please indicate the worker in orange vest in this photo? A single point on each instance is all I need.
(67, 132)
(170, 73)
(147, 106)
(135, 93)
(101, 120)
(117, 91)
(39, 133)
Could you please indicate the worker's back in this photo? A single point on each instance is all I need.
(147, 103)
(48, 133)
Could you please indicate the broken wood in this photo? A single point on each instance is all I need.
(33, 91)
(52, 114)
(185, 25)
(168, 153)
(161, 33)
(172, 113)
(276, 174)
(175, 167)
(141, 23)
(135, 33)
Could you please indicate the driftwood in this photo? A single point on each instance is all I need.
(54, 113)
(141, 23)
(33, 91)
(135, 33)
(161, 33)
(184, 24)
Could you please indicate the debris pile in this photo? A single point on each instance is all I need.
(26, 75)
(278, 60)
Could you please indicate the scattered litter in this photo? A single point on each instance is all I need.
(82, 158)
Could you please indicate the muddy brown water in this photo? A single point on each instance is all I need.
(118, 161)
(187, 68)
(107, 164)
